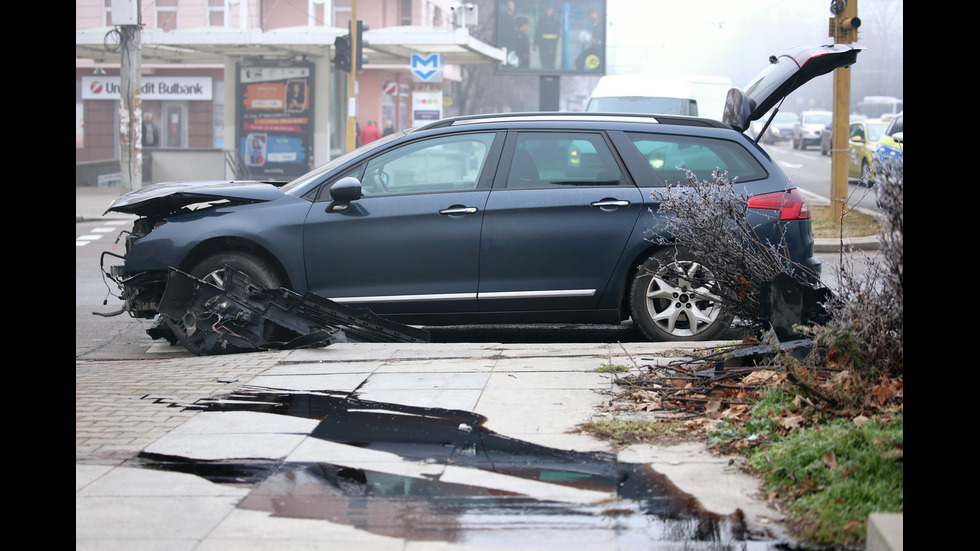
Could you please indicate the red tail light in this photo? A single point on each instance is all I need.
(791, 204)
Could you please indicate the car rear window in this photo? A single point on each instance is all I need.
(671, 157)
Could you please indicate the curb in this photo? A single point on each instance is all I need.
(826, 245)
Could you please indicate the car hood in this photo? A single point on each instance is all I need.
(785, 73)
(166, 198)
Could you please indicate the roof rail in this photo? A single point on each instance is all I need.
(569, 115)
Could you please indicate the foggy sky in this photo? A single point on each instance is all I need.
(734, 38)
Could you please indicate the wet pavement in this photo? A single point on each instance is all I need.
(391, 446)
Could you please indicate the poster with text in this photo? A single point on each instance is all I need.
(275, 131)
(552, 36)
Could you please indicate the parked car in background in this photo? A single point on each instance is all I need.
(863, 137)
(781, 128)
(892, 142)
(808, 129)
(827, 138)
(515, 217)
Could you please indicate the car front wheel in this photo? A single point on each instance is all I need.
(674, 298)
(198, 335)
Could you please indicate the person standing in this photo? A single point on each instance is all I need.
(389, 129)
(546, 37)
(591, 56)
(151, 135)
(522, 42)
(370, 133)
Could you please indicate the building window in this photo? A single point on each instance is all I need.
(216, 13)
(406, 12)
(341, 13)
(166, 14)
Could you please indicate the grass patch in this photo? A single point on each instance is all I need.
(831, 472)
(856, 224)
(623, 432)
(610, 367)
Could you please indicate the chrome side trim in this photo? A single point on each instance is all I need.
(469, 296)
(407, 298)
(539, 294)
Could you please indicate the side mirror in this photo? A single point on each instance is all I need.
(343, 191)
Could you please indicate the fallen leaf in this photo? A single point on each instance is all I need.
(759, 377)
(830, 461)
(790, 421)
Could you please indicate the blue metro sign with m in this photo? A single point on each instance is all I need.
(427, 68)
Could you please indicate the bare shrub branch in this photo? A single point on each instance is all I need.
(711, 219)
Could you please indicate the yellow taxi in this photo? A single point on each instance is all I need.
(862, 138)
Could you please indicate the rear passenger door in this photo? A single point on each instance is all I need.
(557, 220)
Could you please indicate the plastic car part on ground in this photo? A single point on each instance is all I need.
(242, 316)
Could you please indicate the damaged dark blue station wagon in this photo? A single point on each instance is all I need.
(486, 219)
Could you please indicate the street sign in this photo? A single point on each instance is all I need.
(427, 68)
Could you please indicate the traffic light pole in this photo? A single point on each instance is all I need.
(843, 27)
(352, 80)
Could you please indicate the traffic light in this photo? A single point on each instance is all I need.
(360, 59)
(341, 49)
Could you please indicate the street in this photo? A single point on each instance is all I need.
(811, 172)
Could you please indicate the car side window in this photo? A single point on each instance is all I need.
(560, 159)
(671, 157)
(448, 163)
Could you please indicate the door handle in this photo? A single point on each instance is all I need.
(610, 203)
(458, 210)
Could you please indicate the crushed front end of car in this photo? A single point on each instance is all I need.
(236, 315)
(242, 316)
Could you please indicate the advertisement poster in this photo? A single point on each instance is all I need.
(426, 107)
(552, 36)
(276, 120)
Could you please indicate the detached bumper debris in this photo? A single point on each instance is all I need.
(786, 305)
(242, 316)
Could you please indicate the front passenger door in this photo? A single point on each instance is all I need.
(410, 245)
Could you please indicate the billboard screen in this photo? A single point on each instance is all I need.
(275, 118)
(552, 36)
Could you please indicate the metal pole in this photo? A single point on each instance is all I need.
(842, 109)
(130, 110)
(352, 81)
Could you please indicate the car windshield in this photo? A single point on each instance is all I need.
(816, 118)
(896, 125)
(316, 173)
(661, 106)
(785, 118)
(876, 130)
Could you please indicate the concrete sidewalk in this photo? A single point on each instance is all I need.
(537, 394)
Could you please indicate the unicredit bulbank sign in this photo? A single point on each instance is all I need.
(154, 88)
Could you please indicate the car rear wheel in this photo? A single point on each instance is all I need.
(198, 336)
(674, 298)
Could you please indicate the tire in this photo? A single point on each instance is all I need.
(671, 299)
(867, 178)
(210, 269)
(196, 335)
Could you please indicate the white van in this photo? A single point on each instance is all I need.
(698, 96)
